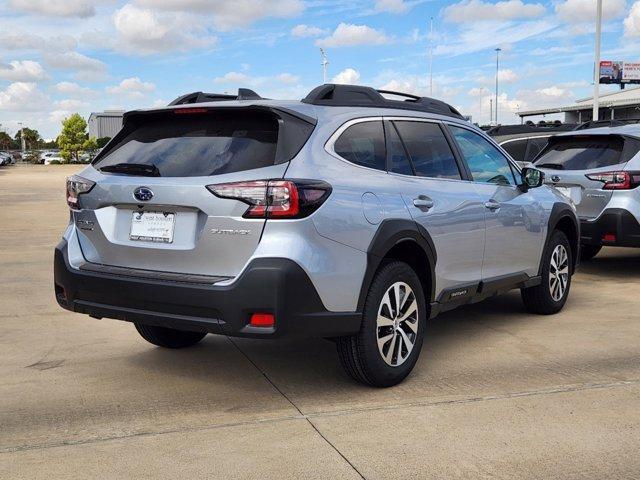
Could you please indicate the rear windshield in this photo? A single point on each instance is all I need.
(199, 145)
(582, 153)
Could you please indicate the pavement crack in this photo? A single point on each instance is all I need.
(331, 413)
(302, 415)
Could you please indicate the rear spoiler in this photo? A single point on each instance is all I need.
(293, 132)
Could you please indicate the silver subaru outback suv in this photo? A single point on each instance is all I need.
(599, 170)
(353, 214)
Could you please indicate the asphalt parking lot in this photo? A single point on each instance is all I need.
(497, 393)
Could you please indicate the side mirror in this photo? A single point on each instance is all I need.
(531, 178)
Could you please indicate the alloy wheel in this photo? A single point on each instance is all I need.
(558, 273)
(397, 324)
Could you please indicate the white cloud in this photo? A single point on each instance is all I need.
(349, 35)
(72, 89)
(583, 11)
(21, 40)
(505, 75)
(391, 6)
(348, 76)
(85, 68)
(232, 77)
(288, 78)
(632, 22)
(23, 96)
(238, 79)
(70, 104)
(132, 87)
(144, 32)
(478, 10)
(305, 31)
(479, 92)
(230, 14)
(53, 8)
(22, 71)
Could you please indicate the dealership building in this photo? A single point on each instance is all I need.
(105, 124)
(620, 105)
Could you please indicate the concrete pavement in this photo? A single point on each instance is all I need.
(497, 393)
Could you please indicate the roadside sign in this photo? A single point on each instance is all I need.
(619, 72)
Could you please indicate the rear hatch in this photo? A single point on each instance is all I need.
(150, 208)
(569, 160)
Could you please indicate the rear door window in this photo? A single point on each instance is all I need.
(199, 145)
(363, 144)
(428, 149)
(584, 152)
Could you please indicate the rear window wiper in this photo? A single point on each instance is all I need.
(139, 169)
(553, 166)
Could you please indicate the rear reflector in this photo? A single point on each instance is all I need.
(609, 237)
(263, 320)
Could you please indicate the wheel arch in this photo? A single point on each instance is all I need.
(563, 218)
(403, 240)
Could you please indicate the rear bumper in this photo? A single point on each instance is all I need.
(618, 222)
(268, 285)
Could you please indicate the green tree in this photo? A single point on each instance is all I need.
(73, 140)
(6, 142)
(32, 138)
(102, 141)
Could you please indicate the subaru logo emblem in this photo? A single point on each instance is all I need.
(555, 179)
(144, 194)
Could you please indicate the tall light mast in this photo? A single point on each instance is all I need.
(325, 62)
(431, 58)
(596, 70)
(498, 50)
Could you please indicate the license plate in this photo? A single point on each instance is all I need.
(152, 227)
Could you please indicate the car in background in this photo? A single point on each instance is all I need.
(599, 170)
(6, 159)
(52, 157)
(525, 142)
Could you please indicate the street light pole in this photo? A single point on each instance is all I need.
(596, 69)
(23, 145)
(325, 62)
(498, 50)
(431, 58)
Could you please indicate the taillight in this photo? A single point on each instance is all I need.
(275, 198)
(76, 186)
(616, 180)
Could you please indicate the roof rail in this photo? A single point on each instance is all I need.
(200, 97)
(359, 96)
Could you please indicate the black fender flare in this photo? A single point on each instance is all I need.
(559, 212)
(390, 233)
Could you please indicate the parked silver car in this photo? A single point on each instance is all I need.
(599, 170)
(346, 215)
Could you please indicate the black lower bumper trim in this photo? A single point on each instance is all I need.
(268, 285)
(616, 221)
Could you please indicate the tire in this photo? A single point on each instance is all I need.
(549, 297)
(168, 337)
(360, 354)
(587, 252)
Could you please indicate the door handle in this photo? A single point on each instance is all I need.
(492, 205)
(423, 202)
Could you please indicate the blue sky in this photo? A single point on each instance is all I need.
(60, 57)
